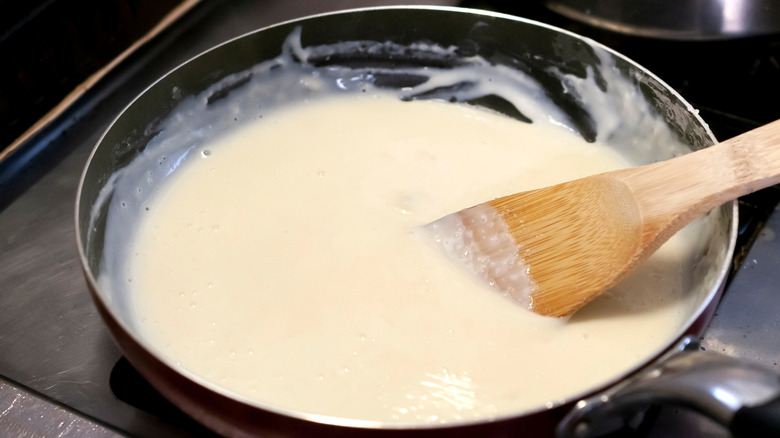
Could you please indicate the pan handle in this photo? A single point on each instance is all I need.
(741, 396)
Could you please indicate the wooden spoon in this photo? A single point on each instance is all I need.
(559, 247)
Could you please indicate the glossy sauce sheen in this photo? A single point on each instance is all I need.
(287, 265)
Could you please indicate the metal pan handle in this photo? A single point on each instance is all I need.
(741, 396)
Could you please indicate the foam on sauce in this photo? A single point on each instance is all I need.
(273, 248)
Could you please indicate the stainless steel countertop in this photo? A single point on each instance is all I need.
(56, 357)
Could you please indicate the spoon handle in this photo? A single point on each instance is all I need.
(674, 192)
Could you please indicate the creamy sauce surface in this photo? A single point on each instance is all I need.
(286, 264)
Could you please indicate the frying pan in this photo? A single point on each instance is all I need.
(392, 40)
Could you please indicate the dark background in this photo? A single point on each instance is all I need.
(49, 47)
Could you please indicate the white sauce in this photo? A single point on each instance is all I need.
(286, 266)
(272, 250)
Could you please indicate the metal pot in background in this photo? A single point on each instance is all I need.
(675, 19)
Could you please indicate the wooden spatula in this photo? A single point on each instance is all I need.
(557, 248)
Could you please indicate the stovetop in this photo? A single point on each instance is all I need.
(60, 373)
